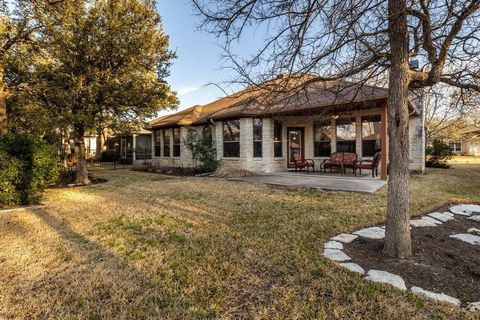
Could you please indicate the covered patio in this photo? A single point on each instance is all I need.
(318, 181)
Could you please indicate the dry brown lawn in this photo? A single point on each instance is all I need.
(464, 160)
(148, 246)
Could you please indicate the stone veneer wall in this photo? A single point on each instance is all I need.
(268, 163)
(417, 137)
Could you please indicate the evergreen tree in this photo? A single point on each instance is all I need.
(108, 63)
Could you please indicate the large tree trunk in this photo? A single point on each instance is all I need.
(101, 143)
(80, 156)
(397, 237)
(3, 101)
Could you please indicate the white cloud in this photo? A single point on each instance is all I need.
(185, 90)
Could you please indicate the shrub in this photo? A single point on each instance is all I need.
(204, 154)
(9, 171)
(33, 167)
(124, 160)
(438, 155)
(109, 156)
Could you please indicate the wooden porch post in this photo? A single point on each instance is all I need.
(383, 141)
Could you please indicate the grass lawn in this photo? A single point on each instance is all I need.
(464, 160)
(150, 246)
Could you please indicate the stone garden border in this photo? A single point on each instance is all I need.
(333, 250)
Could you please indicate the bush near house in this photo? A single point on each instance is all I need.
(438, 155)
(204, 154)
(26, 168)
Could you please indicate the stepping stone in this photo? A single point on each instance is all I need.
(466, 237)
(473, 230)
(431, 220)
(422, 223)
(474, 306)
(474, 208)
(333, 245)
(386, 277)
(352, 267)
(436, 296)
(463, 210)
(371, 233)
(474, 218)
(441, 216)
(345, 238)
(335, 255)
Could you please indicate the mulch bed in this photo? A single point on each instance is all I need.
(68, 181)
(439, 263)
(182, 172)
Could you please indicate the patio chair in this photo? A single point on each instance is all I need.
(350, 161)
(335, 161)
(370, 164)
(305, 163)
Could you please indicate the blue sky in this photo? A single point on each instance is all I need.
(199, 55)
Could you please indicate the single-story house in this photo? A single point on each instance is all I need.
(468, 144)
(265, 130)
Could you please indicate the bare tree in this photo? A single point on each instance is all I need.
(364, 41)
(448, 112)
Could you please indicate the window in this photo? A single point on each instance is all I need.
(455, 146)
(277, 138)
(231, 138)
(166, 142)
(371, 127)
(207, 134)
(176, 142)
(346, 135)
(257, 137)
(322, 138)
(157, 142)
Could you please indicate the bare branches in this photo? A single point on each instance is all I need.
(336, 39)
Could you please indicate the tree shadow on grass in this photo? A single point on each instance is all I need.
(89, 281)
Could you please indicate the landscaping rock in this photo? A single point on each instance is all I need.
(335, 255)
(422, 223)
(472, 207)
(386, 277)
(345, 238)
(333, 245)
(474, 218)
(441, 216)
(466, 237)
(474, 306)
(371, 233)
(436, 296)
(474, 230)
(431, 220)
(462, 210)
(352, 267)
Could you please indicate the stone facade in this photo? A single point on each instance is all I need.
(268, 163)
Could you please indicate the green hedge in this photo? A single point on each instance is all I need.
(27, 166)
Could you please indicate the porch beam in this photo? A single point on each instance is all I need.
(383, 141)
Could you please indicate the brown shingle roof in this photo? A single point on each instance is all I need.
(275, 97)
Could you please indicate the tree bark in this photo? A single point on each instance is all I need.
(397, 233)
(80, 156)
(3, 101)
(101, 143)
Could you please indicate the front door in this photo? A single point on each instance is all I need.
(295, 145)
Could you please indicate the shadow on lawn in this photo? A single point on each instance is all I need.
(93, 282)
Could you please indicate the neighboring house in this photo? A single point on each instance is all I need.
(262, 132)
(135, 147)
(468, 144)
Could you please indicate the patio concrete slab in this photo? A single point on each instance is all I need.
(317, 181)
